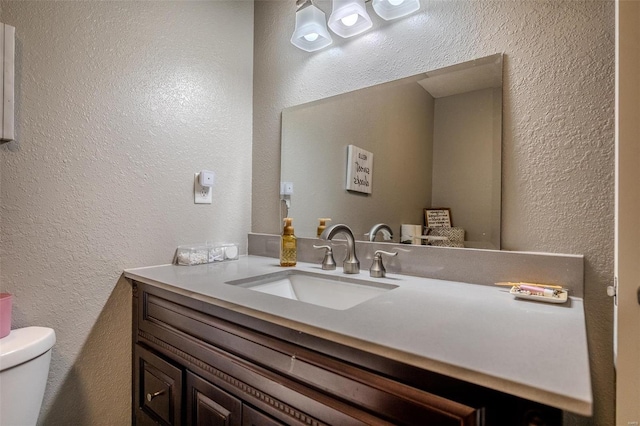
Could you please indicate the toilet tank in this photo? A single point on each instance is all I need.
(25, 355)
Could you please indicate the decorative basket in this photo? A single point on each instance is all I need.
(455, 236)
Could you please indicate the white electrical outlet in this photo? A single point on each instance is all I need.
(201, 194)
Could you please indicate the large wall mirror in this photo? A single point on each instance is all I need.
(436, 141)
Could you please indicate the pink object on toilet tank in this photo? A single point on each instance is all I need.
(5, 314)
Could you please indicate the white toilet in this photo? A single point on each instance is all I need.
(24, 366)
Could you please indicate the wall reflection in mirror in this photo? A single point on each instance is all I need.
(436, 142)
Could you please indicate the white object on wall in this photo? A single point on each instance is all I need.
(286, 188)
(8, 44)
(203, 187)
(359, 170)
(206, 178)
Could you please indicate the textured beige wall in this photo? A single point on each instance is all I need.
(558, 121)
(117, 105)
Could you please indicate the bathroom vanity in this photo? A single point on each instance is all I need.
(208, 349)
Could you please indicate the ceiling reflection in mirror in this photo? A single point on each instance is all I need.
(436, 142)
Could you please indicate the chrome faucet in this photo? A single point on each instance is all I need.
(387, 233)
(377, 269)
(351, 264)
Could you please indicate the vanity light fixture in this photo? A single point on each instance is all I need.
(311, 32)
(348, 18)
(392, 9)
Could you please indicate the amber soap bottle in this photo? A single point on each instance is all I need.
(323, 225)
(288, 245)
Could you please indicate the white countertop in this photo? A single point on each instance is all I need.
(476, 333)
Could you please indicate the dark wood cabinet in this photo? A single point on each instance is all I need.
(208, 405)
(253, 417)
(214, 366)
(159, 397)
(159, 389)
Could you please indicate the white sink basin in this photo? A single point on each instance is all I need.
(318, 289)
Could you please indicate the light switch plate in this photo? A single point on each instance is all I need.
(201, 194)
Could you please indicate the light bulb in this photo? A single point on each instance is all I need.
(350, 20)
(311, 30)
(394, 9)
(311, 36)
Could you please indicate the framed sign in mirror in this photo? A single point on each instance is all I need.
(437, 218)
(359, 170)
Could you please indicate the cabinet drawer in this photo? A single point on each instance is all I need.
(208, 405)
(159, 386)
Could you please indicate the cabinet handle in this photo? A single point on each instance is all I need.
(150, 396)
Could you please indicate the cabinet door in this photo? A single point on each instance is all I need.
(158, 390)
(253, 417)
(209, 405)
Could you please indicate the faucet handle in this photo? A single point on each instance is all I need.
(328, 263)
(386, 253)
(377, 267)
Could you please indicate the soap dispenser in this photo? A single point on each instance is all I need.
(323, 224)
(288, 245)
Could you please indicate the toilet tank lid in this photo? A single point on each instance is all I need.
(25, 344)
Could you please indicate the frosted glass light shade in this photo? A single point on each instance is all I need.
(343, 12)
(311, 32)
(392, 9)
